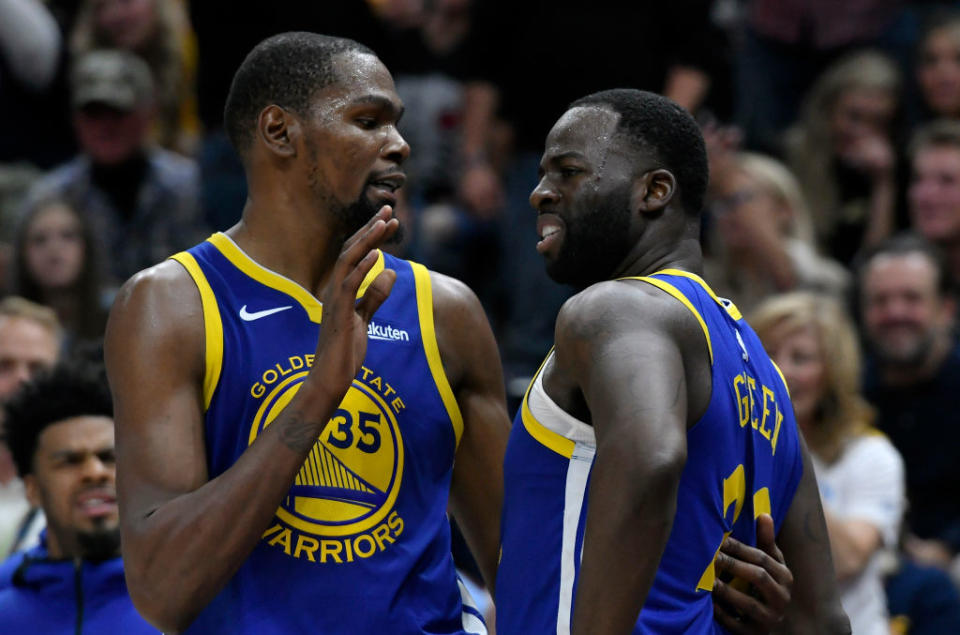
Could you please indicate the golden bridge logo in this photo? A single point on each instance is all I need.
(350, 481)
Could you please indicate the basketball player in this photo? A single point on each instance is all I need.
(276, 475)
(658, 426)
(242, 510)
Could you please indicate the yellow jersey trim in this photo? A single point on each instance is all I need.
(782, 378)
(212, 327)
(672, 290)
(274, 280)
(546, 437)
(429, 336)
(730, 307)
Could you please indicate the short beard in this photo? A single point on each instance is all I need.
(102, 544)
(355, 215)
(352, 216)
(594, 243)
(914, 358)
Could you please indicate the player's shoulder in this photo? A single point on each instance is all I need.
(453, 298)
(162, 283)
(161, 301)
(614, 305)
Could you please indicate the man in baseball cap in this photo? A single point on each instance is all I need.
(141, 201)
(113, 78)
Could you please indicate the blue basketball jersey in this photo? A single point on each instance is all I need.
(361, 543)
(743, 459)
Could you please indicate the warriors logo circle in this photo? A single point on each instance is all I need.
(350, 481)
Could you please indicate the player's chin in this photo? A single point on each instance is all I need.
(378, 197)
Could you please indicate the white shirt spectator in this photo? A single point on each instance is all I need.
(866, 483)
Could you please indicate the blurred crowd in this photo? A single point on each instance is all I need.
(833, 216)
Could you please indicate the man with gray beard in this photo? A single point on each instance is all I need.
(913, 378)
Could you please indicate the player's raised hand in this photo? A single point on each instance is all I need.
(756, 601)
(342, 344)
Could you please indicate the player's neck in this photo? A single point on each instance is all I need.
(293, 242)
(643, 260)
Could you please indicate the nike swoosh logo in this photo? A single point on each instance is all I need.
(256, 315)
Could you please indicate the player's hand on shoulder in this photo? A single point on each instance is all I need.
(342, 343)
(757, 599)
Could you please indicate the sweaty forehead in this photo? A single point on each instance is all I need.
(359, 75)
(585, 130)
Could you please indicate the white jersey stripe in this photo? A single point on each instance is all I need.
(576, 485)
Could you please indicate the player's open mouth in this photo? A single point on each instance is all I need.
(96, 504)
(387, 185)
(550, 230)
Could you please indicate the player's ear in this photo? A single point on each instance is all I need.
(278, 129)
(654, 190)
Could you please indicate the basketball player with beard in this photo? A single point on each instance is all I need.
(657, 427)
(60, 432)
(290, 399)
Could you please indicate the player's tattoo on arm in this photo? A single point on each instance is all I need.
(297, 433)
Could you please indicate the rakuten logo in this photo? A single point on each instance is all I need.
(386, 333)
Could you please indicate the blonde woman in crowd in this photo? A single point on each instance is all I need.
(859, 472)
(761, 243)
(159, 32)
(842, 152)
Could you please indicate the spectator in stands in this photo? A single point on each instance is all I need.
(142, 202)
(60, 430)
(158, 31)
(938, 67)
(859, 472)
(787, 44)
(843, 153)
(29, 343)
(934, 193)
(912, 379)
(56, 264)
(761, 239)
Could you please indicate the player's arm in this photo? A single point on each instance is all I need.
(472, 363)
(185, 536)
(815, 604)
(624, 357)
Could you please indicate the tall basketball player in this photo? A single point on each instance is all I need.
(243, 511)
(658, 426)
(285, 463)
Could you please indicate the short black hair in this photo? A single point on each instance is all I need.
(666, 131)
(67, 391)
(902, 245)
(287, 70)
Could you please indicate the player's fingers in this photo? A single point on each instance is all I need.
(739, 551)
(774, 593)
(384, 214)
(734, 624)
(350, 285)
(375, 294)
(370, 236)
(751, 611)
(767, 538)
